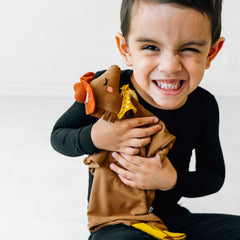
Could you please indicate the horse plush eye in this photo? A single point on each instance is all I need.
(106, 82)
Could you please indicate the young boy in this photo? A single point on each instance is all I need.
(168, 44)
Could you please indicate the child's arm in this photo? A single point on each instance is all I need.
(76, 133)
(71, 133)
(209, 175)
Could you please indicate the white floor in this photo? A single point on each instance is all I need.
(43, 194)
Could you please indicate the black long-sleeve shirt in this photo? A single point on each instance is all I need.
(195, 125)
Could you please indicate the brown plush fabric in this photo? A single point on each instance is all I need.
(111, 201)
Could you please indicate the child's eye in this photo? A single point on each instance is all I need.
(191, 50)
(151, 48)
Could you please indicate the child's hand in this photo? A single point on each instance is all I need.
(125, 136)
(144, 173)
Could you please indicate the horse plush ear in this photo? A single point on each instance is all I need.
(84, 92)
(80, 92)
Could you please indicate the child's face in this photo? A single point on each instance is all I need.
(169, 48)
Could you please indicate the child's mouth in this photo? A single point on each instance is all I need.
(172, 85)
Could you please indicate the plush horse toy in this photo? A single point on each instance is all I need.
(111, 201)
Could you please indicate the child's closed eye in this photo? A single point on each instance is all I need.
(190, 50)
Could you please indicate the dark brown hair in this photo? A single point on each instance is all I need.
(212, 8)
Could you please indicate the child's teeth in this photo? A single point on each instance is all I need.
(172, 86)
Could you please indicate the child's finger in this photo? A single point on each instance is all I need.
(139, 142)
(144, 132)
(139, 122)
(130, 150)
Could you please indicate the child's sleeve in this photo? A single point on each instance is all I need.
(71, 134)
(210, 168)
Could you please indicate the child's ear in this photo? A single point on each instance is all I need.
(123, 48)
(216, 47)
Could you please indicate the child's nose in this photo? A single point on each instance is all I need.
(169, 63)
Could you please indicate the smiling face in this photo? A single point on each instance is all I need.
(169, 47)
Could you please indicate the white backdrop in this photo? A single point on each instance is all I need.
(46, 45)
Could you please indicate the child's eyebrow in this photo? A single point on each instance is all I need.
(199, 43)
(141, 39)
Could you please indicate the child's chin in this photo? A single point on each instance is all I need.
(169, 103)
